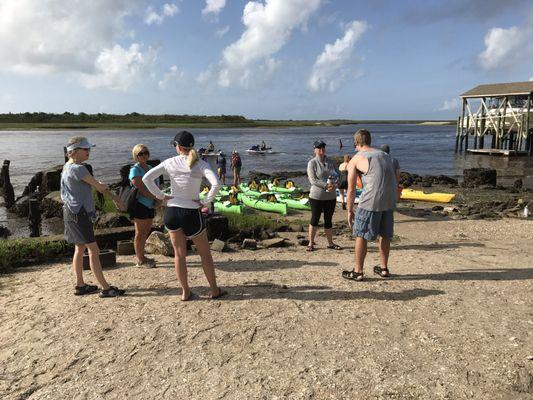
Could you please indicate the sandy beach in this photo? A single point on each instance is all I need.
(454, 322)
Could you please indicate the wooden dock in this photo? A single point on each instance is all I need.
(501, 152)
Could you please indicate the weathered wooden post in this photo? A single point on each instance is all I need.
(35, 217)
(459, 122)
(9, 193)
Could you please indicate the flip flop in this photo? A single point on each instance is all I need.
(380, 271)
(334, 247)
(310, 247)
(353, 276)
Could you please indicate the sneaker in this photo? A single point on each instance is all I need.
(85, 289)
(113, 291)
(146, 263)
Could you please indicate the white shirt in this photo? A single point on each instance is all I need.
(185, 182)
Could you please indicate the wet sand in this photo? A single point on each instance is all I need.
(454, 322)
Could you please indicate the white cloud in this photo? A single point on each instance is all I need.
(205, 76)
(167, 10)
(330, 70)
(76, 40)
(269, 27)
(450, 105)
(531, 79)
(173, 74)
(222, 31)
(213, 7)
(507, 47)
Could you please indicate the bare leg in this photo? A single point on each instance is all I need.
(179, 243)
(329, 236)
(142, 230)
(96, 267)
(77, 263)
(202, 247)
(312, 233)
(384, 251)
(341, 192)
(360, 253)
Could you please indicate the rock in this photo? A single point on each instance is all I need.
(258, 175)
(437, 208)
(125, 248)
(303, 242)
(249, 244)
(264, 235)
(217, 227)
(4, 232)
(218, 245)
(296, 228)
(22, 207)
(283, 228)
(159, 243)
(518, 184)
(276, 242)
(450, 209)
(52, 205)
(288, 174)
(112, 220)
(51, 179)
(474, 216)
(475, 177)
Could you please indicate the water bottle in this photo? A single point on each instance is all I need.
(332, 179)
(526, 212)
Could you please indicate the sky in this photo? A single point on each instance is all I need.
(264, 59)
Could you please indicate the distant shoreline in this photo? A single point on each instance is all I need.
(44, 126)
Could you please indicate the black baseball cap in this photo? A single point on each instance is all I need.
(319, 144)
(184, 139)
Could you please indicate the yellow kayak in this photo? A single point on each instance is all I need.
(410, 194)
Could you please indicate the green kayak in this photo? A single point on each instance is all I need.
(249, 192)
(263, 205)
(297, 204)
(227, 207)
(281, 189)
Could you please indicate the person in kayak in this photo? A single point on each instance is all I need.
(375, 212)
(322, 175)
(221, 162)
(183, 217)
(236, 165)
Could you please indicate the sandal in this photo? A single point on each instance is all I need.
(310, 247)
(221, 293)
(352, 275)
(383, 272)
(113, 291)
(334, 247)
(85, 289)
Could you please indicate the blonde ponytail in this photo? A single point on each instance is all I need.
(192, 158)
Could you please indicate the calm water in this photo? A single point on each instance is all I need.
(420, 149)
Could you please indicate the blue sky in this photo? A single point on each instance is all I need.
(274, 59)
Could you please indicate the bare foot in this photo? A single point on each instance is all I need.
(217, 294)
(186, 295)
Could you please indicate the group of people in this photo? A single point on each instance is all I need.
(378, 174)
(183, 216)
(235, 165)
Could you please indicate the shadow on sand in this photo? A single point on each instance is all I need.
(486, 274)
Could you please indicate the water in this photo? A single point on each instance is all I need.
(425, 150)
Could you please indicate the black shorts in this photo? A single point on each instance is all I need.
(343, 185)
(142, 212)
(190, 220)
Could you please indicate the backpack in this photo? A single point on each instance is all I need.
(236, 160)
(129, 196)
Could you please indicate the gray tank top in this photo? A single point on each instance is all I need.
(379, 183)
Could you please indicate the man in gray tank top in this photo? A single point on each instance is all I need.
(374, 216)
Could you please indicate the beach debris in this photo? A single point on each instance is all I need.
(125, 248)
(303, 242)
(476, 177)
(275, 242)
(530, 358)
(450, 210)
(218, 245)
(249, 244)
(159, 243)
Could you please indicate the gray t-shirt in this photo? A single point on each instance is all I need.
(76, 193)
(395, 164)
(379, 183)
(318, 173)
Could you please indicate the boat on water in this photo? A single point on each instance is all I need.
(259, 150)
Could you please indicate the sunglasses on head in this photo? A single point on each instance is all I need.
(143, 153)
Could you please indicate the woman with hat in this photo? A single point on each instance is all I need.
(79, 214)
(183, 217)
(323, 177)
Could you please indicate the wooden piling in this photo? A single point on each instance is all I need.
(35, 217)
(9, 193)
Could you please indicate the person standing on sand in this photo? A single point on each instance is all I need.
(221, 162)
(323, 176)
(183, 217)
(236, 165)
(343, 179)
(144, 211)
(79, 214)
(375, 212)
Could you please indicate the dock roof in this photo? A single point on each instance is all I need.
(501, 89)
